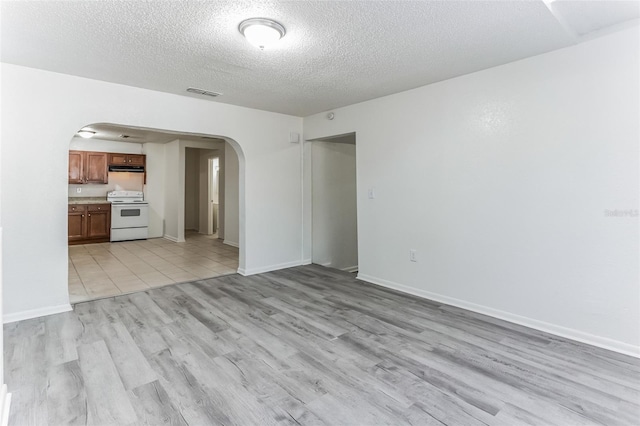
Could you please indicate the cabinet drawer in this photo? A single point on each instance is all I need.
(77, 208)
(99, 207)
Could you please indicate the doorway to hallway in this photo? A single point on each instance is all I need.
(334, 202)
(211, 192)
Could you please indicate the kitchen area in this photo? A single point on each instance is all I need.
(114, 247)
(120, 216)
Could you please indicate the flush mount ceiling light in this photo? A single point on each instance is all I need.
(86, 133)
(261, 32)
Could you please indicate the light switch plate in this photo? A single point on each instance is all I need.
(372, 193)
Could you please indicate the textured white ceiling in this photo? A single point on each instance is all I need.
(335, 53)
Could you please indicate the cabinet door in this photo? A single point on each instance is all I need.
(98, 224)
(76, 167)
(135, 160)
(117, 159)
(77, 225)
(95, 169)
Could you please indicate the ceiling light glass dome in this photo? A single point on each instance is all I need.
(261, 32)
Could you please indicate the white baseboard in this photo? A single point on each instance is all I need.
(231, 243)
(558, 330)
(5, 401)
(35, 313)
(346, 269)
(170, 238)
(306, 262)
(269, 268)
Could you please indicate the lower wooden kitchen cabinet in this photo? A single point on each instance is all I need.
(89, 223)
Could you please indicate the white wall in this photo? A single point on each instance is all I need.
(192, 189)
(221, 195)
(335, 236)
(231, 198)
(173, 191)
(154, 190)
(54, 106)
(117, 181)
(1, 257)
(500, 180)
(5, 401)
(101, 145)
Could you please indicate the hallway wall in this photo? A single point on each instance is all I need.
(231, 198)
(203, 187)
(192, 189)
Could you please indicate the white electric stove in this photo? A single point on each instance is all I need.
(129, 215)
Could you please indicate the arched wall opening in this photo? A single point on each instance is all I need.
(99, 270)
(53, 107)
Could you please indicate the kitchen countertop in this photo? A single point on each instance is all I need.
(88, 200)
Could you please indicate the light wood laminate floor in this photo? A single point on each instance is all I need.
(310, 346)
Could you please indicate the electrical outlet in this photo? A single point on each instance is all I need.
(78, 190)
(413, 255)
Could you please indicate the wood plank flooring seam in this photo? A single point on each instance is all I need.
(304, 346)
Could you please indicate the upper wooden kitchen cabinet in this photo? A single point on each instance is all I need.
(88, 167)
(128, 159)
(76, 167)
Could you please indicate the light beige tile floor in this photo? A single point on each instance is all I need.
(109, 269)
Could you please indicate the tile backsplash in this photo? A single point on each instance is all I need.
(117, 181)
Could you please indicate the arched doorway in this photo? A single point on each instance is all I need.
(104, 269)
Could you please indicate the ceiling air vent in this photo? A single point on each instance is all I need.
(125, 136)
(203, 92)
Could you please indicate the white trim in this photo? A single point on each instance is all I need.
(35, 313)
(231, 243)
(5, 401)
(328, 265)
(558, 330)
(170, 238)
(306, 262)
(269, 268)
(302, 194)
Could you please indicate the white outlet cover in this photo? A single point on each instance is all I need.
(413, 255)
